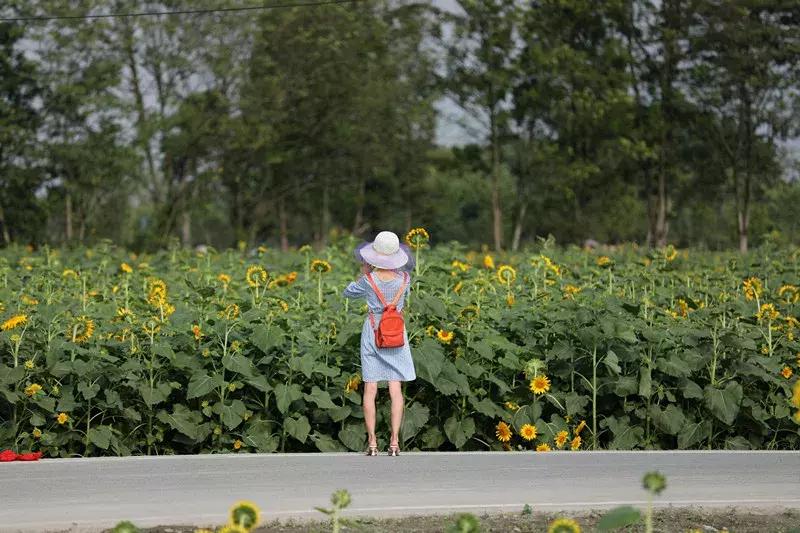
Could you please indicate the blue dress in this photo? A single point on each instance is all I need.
(382, 364)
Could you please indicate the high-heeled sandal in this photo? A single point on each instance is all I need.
(372, 450)
(394, 450)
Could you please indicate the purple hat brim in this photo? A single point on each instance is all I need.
(401, 259)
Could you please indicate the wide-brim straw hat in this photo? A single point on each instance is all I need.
(385, 251)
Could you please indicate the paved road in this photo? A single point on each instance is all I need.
(90, 494)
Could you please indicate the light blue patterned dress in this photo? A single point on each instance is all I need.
(382, 364)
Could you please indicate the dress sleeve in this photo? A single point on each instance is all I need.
(355, 289)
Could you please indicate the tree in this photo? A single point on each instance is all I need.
(746, 63)
(20, 215)
(480, 75)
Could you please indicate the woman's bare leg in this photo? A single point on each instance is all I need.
(396, 393)
(370, 391)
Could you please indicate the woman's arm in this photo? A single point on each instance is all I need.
(356, 289)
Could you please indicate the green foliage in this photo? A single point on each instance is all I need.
(619, 517)
(465, 523)
(615, 121)
(657, 350)
(340, 500)
(125, 527)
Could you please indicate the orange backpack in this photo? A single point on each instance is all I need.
(390, 330)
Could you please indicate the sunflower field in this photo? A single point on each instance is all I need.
(105, 352)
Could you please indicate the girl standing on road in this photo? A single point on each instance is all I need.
(385, 282)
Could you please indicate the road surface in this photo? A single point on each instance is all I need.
(86, 495)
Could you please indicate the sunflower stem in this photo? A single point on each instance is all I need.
(594, 397)
(648, 517)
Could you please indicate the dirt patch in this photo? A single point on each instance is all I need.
(677, 520)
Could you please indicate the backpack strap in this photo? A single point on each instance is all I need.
(379, 294)
(376, 289)
(402, 289)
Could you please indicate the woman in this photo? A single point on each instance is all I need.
(384, 281)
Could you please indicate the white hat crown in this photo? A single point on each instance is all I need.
(386, 243)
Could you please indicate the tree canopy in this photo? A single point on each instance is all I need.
(623, 120)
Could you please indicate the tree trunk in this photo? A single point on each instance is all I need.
(326, 212)
(6, 235)
(518, 226)
(662, 226)
(68, 217)
(283, 225)
(743, 223)
(497, 222)
(186, 227)
(141, 121)
(359, 218)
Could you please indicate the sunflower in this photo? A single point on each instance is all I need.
(683, 309)
(470, 312)
(503, 432)
(796, 394)
(32, 389)
(543, 448)
(540, 384)
(13, 322)
(321, 266)
(231, 312)
(575, 443)
(460, 265)
(256, 276)
(580, 427)
(69, 273)
(62, 418)
(283, 305)
(791, 292)
(81, 330)
(510, 299)
(786, 372)
(37, 433)
(458, 286)
(488, 262)
(353, 383)
(752, 288)
(561, 438)
(29, 364)
(224, 278)
(197, 332)
(670, 253)
(280, 281)
(151, 326)
(603, 260)
(430, 331)
(126, 268)
(123, 313)
(513, 406)
(445, 337)
(417, 238)
(528, 432)
(564, 525)
(237, 444)
(767, 312)
(245, 514)
(571, 290)
(506, 275)
(157, 295)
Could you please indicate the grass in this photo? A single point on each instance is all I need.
(665, 520)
